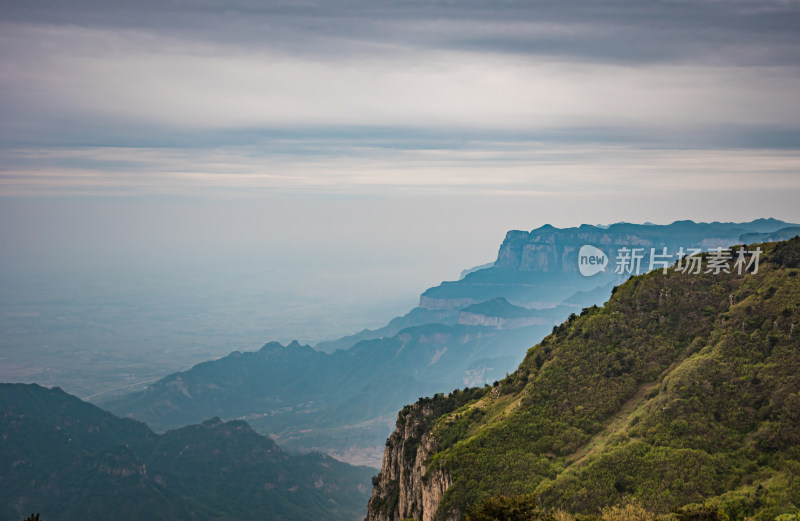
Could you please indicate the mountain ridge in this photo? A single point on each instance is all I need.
(68, 459)
(682, 390)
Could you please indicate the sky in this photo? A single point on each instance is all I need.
(390, 143)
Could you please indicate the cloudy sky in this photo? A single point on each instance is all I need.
(409, 134)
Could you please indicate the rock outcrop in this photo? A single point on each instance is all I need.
(406, 487)
(477, 319)
(548, 249)
(445, 303)
(500, 314)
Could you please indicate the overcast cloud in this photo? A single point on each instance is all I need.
(550, 103)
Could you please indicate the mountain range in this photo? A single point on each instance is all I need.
(69, 460)
(341, 397)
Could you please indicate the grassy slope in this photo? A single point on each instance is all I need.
(683, 388)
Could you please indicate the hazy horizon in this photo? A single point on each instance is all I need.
(235, 173)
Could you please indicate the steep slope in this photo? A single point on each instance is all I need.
(682, 389)
(69, 460)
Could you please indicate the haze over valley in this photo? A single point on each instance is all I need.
(463, 260)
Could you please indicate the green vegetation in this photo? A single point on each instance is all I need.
(682, 393)
(525, 508)
(508, 508)
(420, 415)
(70, 460)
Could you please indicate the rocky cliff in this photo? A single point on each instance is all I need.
(475, 319)
(540, 268)
(501, 314)
(406, 488)
(548, 249)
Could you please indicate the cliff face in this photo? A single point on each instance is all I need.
(548, 249)
(501, 314)
(402, 490)
(439, 304)
(406, 488)
(477, 319)
(540, 268)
